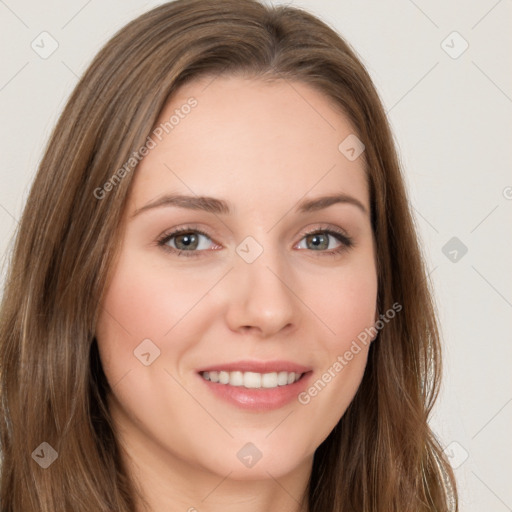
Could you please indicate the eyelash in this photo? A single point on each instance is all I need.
(346, 241)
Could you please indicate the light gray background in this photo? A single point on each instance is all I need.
(453, 125)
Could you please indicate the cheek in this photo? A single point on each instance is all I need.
(346, 304)
(147, 301)
(346, 307)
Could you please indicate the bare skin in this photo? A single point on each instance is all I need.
(263, 148)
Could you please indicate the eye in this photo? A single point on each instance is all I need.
(185, 240)
(188, 241)
(328, 241)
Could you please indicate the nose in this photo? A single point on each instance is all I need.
(261, 298)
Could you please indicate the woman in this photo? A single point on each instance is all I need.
(216, 297)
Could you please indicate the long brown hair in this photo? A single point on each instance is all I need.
(382, 456)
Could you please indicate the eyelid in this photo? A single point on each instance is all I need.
(323, 227)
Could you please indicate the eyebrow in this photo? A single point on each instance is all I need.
(221, 207)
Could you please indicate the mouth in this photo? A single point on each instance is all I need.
(253, 380)
(256, 386)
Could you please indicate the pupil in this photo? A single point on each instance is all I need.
(318, 242)
(186, 240)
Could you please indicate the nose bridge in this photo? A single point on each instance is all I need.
(262, 297)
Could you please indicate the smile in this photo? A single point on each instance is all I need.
(252, 380)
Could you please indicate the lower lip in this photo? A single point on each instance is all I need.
(261, 399)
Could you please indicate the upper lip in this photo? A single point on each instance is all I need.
(257, 367)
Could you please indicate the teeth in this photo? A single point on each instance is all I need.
(252, 380)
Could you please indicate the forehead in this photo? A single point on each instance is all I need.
(250, 140)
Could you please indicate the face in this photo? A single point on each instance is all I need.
(230, 264)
